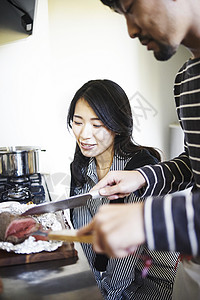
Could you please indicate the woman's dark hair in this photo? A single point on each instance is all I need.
(111, 105)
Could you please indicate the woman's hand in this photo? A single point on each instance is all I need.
(118, 184)
(117, 229)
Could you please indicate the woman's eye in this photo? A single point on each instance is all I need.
(77, 123)
(97, 126)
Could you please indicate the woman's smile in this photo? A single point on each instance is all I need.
(86, 146)
(93, 138)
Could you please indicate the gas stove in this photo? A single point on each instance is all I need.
(24, 189)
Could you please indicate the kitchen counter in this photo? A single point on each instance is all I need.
(52, 280)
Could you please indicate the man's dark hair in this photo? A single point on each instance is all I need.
(114, 4)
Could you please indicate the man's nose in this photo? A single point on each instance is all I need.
(133, 29)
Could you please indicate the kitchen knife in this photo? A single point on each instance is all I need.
(71, 202)
(67, 235)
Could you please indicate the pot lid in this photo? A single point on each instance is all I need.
(16, 149)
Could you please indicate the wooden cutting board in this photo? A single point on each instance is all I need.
(66, 251)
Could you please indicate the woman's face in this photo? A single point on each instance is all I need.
(93, 138)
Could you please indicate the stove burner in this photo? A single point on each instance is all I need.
(18, 180)
(22, 189)
(17, 193)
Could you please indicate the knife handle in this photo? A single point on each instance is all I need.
(69, 235)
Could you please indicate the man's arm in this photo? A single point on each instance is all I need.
(160, 179)
(180, 234)
(170, 223)
(168, 176)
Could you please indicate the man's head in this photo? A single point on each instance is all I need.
(158, 24)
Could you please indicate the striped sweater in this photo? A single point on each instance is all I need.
(172, 222)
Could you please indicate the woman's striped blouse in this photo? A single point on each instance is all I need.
(122, 278)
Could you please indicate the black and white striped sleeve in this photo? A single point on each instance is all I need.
(167, 177)
(172, 223)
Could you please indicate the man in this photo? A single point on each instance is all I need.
(170, 221)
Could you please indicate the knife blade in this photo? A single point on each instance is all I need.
(71, 202)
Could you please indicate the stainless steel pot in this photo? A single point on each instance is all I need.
(19, 161)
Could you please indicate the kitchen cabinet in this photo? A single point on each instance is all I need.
(12, 19)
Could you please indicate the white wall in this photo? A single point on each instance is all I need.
(156, 81)
(73, 42)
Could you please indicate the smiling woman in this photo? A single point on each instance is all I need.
(101, 119)
(93, 138)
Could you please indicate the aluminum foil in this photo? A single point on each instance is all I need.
(30, 245)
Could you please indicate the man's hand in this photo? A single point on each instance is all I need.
(118, 184)
(117, 229)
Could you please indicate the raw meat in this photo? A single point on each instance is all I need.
(15, 229)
